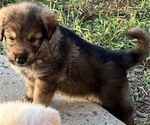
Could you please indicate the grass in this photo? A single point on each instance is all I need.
(101, 22)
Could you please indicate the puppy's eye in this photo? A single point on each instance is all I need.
(32, 39)
(11, 39)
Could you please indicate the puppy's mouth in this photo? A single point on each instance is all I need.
(22, 65)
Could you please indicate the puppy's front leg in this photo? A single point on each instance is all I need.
(43, 91)
(29, 95)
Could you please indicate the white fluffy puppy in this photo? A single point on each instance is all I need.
(18, 113)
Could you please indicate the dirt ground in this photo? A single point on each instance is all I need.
(140, 93)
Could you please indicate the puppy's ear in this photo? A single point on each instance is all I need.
(1, 29)
(1, 36)
(50, 22)
(1, 33)
(50, 117)
(2, 18)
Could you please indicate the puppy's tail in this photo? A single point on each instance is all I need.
(141, 51)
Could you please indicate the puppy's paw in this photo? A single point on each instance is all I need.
(26, 98)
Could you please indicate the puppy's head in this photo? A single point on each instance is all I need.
(23, 29)
(23, 113)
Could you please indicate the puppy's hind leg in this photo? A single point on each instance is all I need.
(122, 112)
(116, 100)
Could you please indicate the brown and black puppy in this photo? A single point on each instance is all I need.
(52, 59)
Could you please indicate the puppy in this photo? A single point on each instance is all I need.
(52, 59)
(18, 113)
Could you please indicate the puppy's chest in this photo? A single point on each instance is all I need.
(36, 72)
(32, 72)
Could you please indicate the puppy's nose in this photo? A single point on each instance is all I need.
(21, 59)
